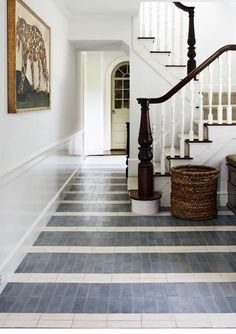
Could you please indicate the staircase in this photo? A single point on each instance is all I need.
(195, 121)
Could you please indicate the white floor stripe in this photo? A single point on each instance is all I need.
(93, 213)
(116, 320)
(92, 171)
(123, 278)
(139, 229)
(96, 192)
(93, 202)
(100, 177)
(134, 249)
(97, 184)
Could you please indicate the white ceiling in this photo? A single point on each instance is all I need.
(99, 7)
(98, 45)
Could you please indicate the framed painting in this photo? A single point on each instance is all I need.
(29, 86)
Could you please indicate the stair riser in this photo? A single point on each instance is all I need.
(214, 112)
(147, 43)
(178, 72)
(215, 100)
(162, 58)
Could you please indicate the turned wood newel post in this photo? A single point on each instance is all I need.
(145, 167)
(191, 65)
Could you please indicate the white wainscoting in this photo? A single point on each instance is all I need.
(27, 197)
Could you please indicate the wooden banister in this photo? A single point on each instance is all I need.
(189, 77)
(145, 167)
(191, 63)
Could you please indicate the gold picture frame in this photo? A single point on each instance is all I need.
(29, 52)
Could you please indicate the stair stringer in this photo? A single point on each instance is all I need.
(212, 154)
(147, 58)
(221, 136)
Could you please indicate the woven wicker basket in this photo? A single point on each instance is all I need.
(193, 192)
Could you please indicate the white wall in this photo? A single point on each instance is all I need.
(93, 103)
(97, 99)
(27, 200)
(24, 135)
(36, 147)
(214, 27)
(101, 27)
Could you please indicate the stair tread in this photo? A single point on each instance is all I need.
(205, 121)
(199, 141)
(178, 157)
(146, 37)
(160, 52)
(175, 65)
(216, 105)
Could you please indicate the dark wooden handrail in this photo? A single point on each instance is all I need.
(183, 7)
(191, 63)
(188, 78)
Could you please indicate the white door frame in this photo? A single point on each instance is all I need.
(108, 100)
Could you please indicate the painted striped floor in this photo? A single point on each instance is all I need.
(97, 265)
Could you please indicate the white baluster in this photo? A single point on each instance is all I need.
(150, 12)
(173, 35)
(191, 134)
(181, 42)
(201, 112)
(182, 139)
(158, 41)
(172, 149)
(154, 26)
(154, 141)
(220, 108)
(143, 23)
(229, 106)
(166, 26)
(210, 94)
(162, 160)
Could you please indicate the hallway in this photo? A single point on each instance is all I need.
(98, 265)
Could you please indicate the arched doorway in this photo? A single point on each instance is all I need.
(120, 105)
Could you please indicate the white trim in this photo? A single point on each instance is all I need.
(94, 202)
(97, 184)
(11, 173)
(96, 192)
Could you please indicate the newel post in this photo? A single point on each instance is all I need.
(191, 65)
(145, 167)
